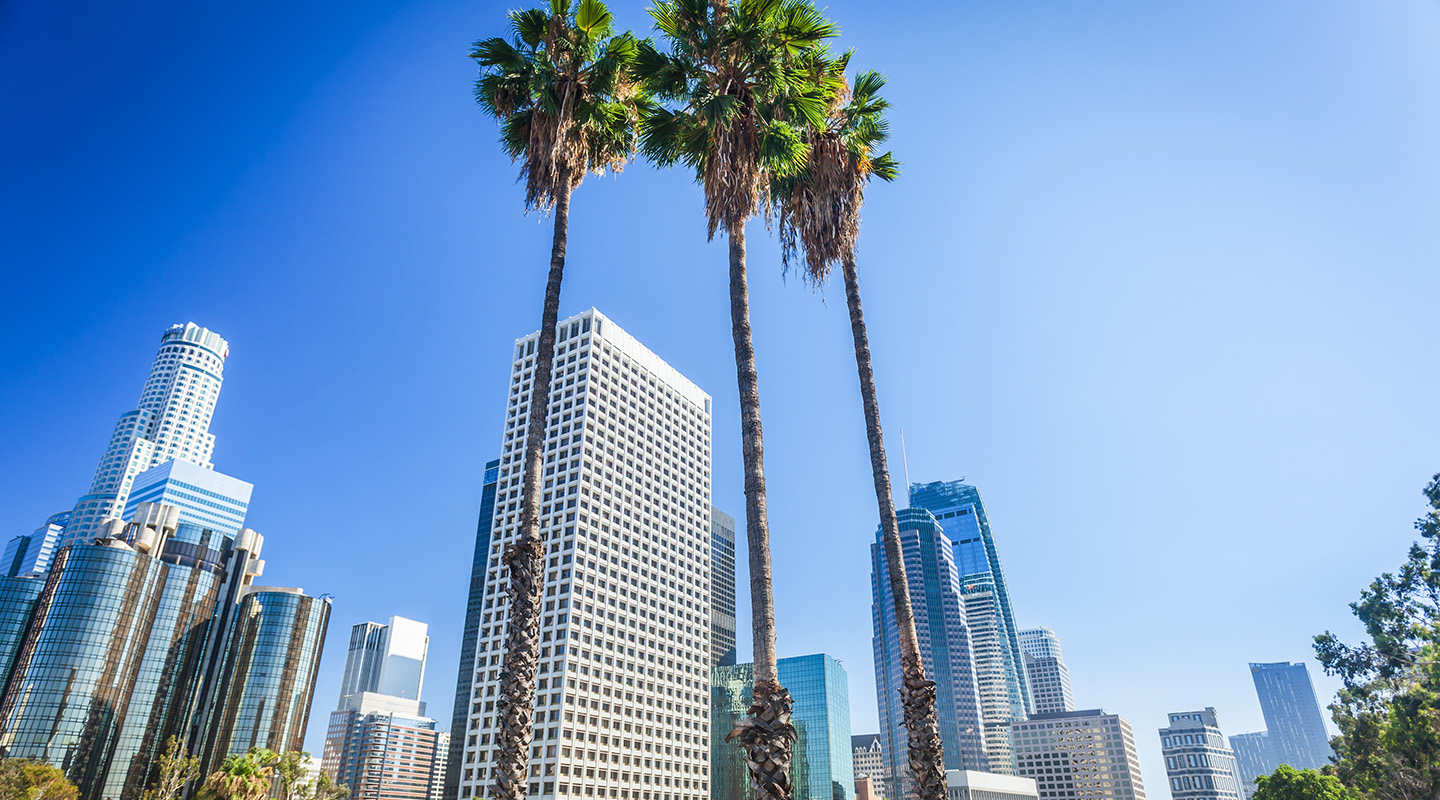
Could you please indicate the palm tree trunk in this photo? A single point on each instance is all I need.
(917, 694)
(767, 734)
(515, 706)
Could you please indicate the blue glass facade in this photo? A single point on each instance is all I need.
(961, 513)
(1295, 727)
(17, 605)
(945, 646)
(722, 588)
(822, 766)
(465, 676)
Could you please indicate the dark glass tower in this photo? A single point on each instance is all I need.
(945, 648)
(1295, 727)
(17, 605)
(722, 588)
(465, 676)
(962, 514)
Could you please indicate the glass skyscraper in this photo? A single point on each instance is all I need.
(30, 554)
(722, 588)
(945, 648)
(1292, 715)
(465, 676)
(822, 766)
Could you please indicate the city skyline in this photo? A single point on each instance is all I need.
(1131, 286)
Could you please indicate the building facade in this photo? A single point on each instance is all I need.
(999, 662)
(1045, 669)
(966, 785)
(868, 753)
(1198, 762)
(387, 659)
(1252, 759)
(474, 603)
(205, 497)
(945, 648)
(1293, 722)
(172, 420)
(1079, 754)
(625, 520)
(822, 766)
(30, 555)
(722, 588)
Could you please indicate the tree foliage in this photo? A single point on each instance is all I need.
(177, 768)
(1288, 783)
(242, 776)
(1388, 710)
(293, 782)
(25, 779)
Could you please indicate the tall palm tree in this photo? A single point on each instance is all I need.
(819, 213)
(561, 90)
(738, 95)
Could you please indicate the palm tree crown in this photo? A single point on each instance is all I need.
(741, 90)
(562, 93)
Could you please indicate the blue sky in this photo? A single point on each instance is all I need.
(1160, 279)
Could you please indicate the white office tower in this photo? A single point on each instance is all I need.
(1079, 755)
(1049, 678)
(171, 421)
(28, 555)
(622, 703)
(387, 659)
(205, 497)
(1198, 762)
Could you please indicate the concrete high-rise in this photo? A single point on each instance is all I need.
(999, 662)
(204, 496)
(172, 420)
(622, 701)
(1079, 754)
(1198, 762)
(821, 766)
(1045, 669)
(1293, 722)
(945, 648)
(474, 603)
(722, 588)
(386, 659)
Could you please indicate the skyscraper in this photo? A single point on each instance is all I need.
(822, 766)
(868, 753)
(625, 520)
(1046, 672)
(474, 600)
(945, 648)
(722, 588)
(1252, 759)
(30, 554)
(1079, 754)
(379, 742)
(1004, 690)
(204, 496)
(1292, 715)
(1199, 764)
(172, 420)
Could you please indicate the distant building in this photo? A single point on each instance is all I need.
(30, 554)
(386, 659)
(864, 789)
(205, 497)
(868, 753)
(474, 601)
(1045, 667)
(722, 588)
(821, 766)
(1198, 763)
(1252, 759)
(945, 639)
(1079, 754)
(1293, 720)
(967, 785)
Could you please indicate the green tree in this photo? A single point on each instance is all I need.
(242, 776)
(737, 94)
(25, 779)
(292, 780)
(177, 768)
(819, 213)
(1388, 709)
(560, 90)
(1288, 783)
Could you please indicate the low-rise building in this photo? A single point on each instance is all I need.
(1198, 763)
(968, 785)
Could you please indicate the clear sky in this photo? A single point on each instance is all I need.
(1160, 279)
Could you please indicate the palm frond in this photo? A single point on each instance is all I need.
(529, 26)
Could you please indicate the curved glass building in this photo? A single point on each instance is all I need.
(271, 659)
(17, 605)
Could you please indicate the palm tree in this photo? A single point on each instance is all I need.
(566, 106)
(819, 213)
(739, 94)
(242, 777)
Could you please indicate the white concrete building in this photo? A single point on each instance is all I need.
(171, 421)
(1079, 754)
(1045, 666)
(969, 785)
(868, 752)
(1198, 762)
(205, 497)
(622, 701)
(387, 659)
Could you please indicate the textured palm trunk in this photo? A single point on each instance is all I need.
(515, 706)
(917, 693)
(767, 734)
